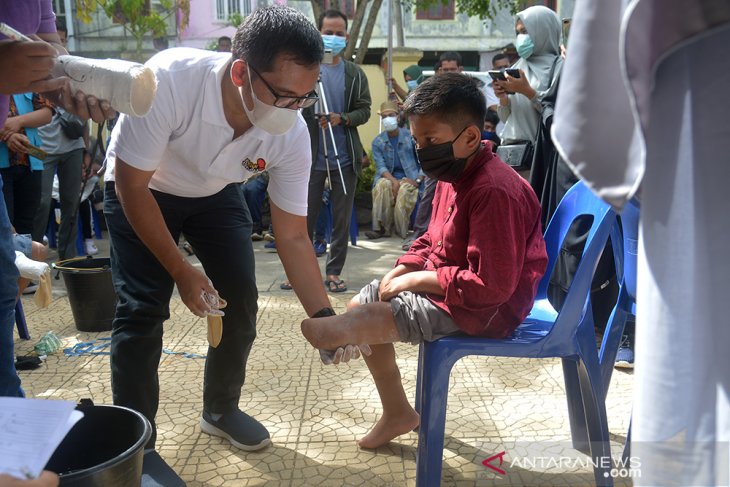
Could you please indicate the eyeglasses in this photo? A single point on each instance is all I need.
(293, 102)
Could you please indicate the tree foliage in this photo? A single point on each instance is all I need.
(136, 16)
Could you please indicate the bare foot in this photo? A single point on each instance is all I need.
(388, 428)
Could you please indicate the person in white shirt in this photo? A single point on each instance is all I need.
(217, 119)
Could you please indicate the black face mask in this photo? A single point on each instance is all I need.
(438, 161)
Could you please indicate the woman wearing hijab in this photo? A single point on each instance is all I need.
(412, 75)
(520, 99)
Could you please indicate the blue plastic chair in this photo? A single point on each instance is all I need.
(20, 322)
(625, 248)
(354, 228)
(545, 333)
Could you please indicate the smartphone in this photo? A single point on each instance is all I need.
(497, 75)
(36, 152)
(328, 57)
(515, 73)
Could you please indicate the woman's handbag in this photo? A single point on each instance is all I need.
(518, 155)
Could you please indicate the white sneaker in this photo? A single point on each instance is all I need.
(91, 248)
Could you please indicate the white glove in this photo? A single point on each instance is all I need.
(29, 269)
(334, 357)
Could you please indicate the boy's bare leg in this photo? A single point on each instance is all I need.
(398, 417)
(370, 323)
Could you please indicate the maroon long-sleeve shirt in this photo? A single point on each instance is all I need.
(485, 243)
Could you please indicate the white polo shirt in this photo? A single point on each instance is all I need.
(187, 141)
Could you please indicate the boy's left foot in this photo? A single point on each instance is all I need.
(388, 428)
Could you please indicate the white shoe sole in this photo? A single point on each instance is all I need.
(623, 365)
(206, 427)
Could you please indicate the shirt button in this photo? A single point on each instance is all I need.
(451, 208)
(438, 244)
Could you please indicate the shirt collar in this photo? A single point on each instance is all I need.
(482, 158)
(213, 112)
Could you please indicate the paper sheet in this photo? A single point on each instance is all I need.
(30, 431)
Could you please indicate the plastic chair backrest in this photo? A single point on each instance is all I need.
(630, 228)
(578, 201)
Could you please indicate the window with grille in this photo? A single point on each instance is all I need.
(437, 11)
(224, 8)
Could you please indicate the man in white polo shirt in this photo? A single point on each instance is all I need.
(217, 119)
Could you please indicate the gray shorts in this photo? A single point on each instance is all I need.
(23, 243)
(416, 318)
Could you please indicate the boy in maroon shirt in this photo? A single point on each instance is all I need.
(475, 270)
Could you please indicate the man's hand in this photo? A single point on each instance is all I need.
(86, 107)
(395, 186)
(334, 118)
(27, 67)
(17, 143)
(190, 284)
(45, 479)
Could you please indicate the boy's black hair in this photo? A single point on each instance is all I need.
(451, 56)
(271, 31)
(454, 98)
(330, 14)
(491, 117)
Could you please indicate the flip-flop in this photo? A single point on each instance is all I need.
(285, 286)
(340, 286)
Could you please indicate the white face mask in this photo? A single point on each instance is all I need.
(273, 120)
(390, 124)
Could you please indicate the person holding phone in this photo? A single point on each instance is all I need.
(538, 43)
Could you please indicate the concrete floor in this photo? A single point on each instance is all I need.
(314, 412)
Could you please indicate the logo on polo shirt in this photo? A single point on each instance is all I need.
(258, 166)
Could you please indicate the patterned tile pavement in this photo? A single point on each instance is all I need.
(315, 412)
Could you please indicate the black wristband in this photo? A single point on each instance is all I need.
(324, 312)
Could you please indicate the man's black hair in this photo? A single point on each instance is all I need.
(492, 117)
(330, 14)
(277, 30)
(499, 57)
(224, 38)
(454, 98)
(451, 56)
(61, 24)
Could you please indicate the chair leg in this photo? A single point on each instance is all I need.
(419, 385)
(20, 321)
(576, 413)
(612, 338)
(435, 388)
(594, 405)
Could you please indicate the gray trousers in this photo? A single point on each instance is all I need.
(341, 212)
(69, 167)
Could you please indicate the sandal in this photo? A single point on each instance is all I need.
(286, 286)
(335, 286)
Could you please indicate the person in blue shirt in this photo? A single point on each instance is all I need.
(397, 176)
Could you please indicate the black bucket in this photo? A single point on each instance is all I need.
(104, 449)
(90, 292)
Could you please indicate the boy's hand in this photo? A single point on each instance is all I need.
(392, 287)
